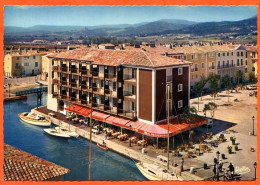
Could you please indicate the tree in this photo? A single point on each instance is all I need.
(212, 107)
(226, 83)
(252, 78)
(206, 108)
(198, 88)
(239, 75)
(213, 80)
(189, 115)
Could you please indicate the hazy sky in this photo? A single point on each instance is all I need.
(101, 15)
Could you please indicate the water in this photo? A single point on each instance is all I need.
(71, 154)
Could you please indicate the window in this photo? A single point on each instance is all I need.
(185, 57)
(34, 57)
(179, 71)
(223, 63)
(133, 106)
(242, 53)
(246, 54)
(218, 64)
(238, 54)
(196, 67)
(179, 87)
(202, 65)
(237, 62)
(196, 56)
(232, 63)
(223, 54)
(202, 56)
(36, 64)
(245, 70)
(242, 62)
(52, 62)
(26, 64)
(17, 58)
(16, 65)
(180, 104)
(192, 57)
(114, 86)
(231, 53)
(227, 53)
(246, 62)
(218, 54)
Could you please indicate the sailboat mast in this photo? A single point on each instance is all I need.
(90, 134)
(168, 124)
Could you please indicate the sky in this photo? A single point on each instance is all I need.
(26, 16)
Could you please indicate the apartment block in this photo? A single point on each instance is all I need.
(127, 84)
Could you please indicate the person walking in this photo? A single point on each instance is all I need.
(105, 134)
(182, 164)
(214, 171)
(231, 169)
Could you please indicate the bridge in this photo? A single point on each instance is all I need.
(31, 91)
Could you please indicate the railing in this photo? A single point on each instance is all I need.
(74, 99)
(127, 113)
(55, 68)
(85, 72)
(86, 87)
(129, 77)
(98, 106)
(110, 109)
(110, 75)
(73, 84)
(75, 71)
(65, 83)
(212, 67)
(95, 73)
(128, 93)
(64, 69)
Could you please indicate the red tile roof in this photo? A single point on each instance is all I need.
(120, 57)
(22, 166)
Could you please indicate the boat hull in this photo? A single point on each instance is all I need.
(156, 173)
(71, 133)
(55, 133)
(43, 123)
(102, 146)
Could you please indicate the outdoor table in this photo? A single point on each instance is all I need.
(95, 131)
(116, 134)
(142, 142)
(133, 139)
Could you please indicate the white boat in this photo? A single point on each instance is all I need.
(157, 172)
(34, 119)
(63, 130)
(56, 133)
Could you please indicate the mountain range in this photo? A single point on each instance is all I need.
(160, 27)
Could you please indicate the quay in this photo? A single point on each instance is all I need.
(121, 147)
(15, 97)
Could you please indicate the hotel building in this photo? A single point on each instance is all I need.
(122, 83)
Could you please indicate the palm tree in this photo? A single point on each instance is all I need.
(226, 83)
(189, 115)
(214, 86)
(198, 88)
(212, 108)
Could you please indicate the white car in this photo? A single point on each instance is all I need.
(251, 87)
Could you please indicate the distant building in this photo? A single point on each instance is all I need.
(22, 166)
(27, 64)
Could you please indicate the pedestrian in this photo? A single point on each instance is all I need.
(220, 166)
(214, 170)
(231, 169)
(105, 134)
(182, 164)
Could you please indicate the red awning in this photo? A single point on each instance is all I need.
(114, 120)
(77, 109)
(99, 115)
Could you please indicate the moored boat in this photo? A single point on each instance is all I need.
(104, 147)
(156, 172)
(54, 132)
(63, 130)
(34, 119)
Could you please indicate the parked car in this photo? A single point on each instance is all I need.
(210, 122)
(251, 87)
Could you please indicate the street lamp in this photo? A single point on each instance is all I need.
(255, 165)
(217, 168)
(253, 118)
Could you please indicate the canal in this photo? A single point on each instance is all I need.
(72, 153)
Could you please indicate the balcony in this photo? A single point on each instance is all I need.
(98, 106)
(74, 85)
(128, 94)
(110, 109)
(111, 76)
(64, 69)
(85, 87)
(65, 83)
(84, 102)
(55, 81)
(85, 72)
(99, 91)
(211, 67)
(55, 68)
(111, 93)
(127, 113)
(95, 73)
(75, 71)
(74, 99)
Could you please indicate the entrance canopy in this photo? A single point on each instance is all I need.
(153, 130)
